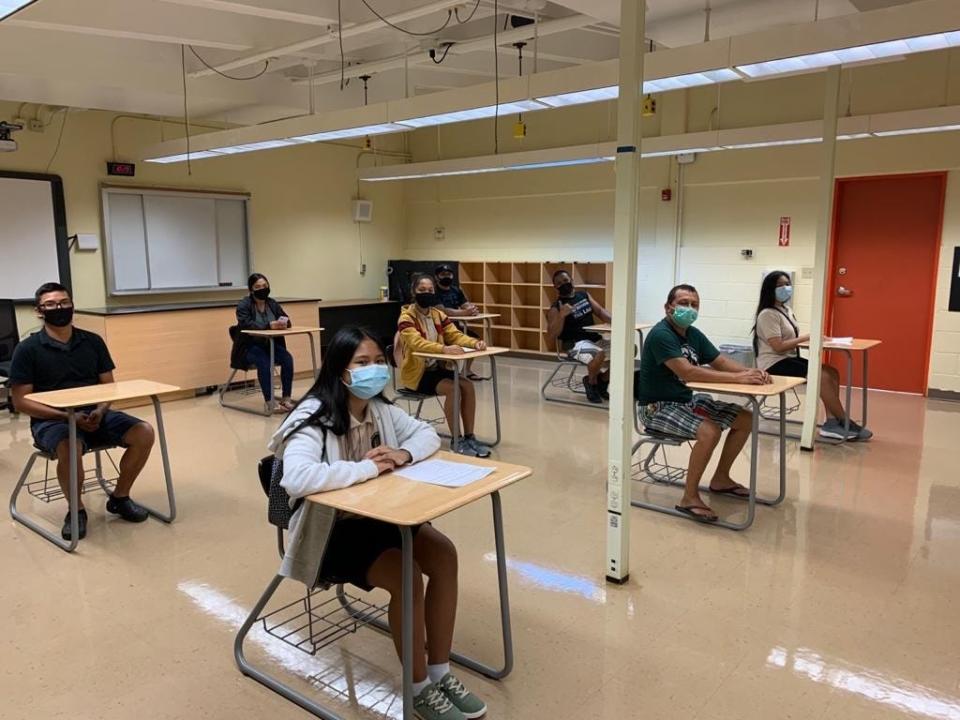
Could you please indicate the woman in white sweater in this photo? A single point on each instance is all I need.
(777, 341)
(345, 432)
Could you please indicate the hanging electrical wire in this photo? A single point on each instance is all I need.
(266, 66)
(343, 60)
(446, 51)
(186, 112)
(411, 32)
(456, 13)
(56, 150)
(496, 79)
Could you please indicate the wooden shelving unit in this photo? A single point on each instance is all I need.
(522, 292)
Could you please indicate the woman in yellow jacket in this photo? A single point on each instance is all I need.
(424, 327)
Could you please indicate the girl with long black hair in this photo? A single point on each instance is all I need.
(345, 432)
(777, 341)
(259, 311)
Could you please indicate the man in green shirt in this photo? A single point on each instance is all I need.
(675, 353)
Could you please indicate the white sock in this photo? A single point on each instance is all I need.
(436, 672)
(419, 687)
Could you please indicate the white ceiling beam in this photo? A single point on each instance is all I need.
(420, 58)
(124, 34)
(348, 32)
(237, 8)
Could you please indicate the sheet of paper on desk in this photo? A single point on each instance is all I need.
(839, 340)
(469, 350)
(444, 472)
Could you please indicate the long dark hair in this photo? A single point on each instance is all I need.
(334, 413)
(768, 299)
(254, 278)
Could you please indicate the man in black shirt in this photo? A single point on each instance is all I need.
(566, 319)
(59, 357)
(456, 305)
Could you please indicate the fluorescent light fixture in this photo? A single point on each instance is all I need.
(9, 7)
(400, 175)
(362, 131)
(581, 97)
(851, 55)
(917, 131)
(772, 143)
(472, 114)
(201, 155)
(680, 151)
(679, 82)
(253, 147)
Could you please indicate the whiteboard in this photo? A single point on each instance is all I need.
(170, 241)
(28, 237)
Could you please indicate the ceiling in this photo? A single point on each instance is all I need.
(128, 55)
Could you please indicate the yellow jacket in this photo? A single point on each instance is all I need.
(413, 336)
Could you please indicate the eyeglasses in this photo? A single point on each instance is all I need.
(51, 305)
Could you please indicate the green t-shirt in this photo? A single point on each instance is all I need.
(655, 382)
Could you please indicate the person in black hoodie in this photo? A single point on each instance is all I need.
(259, 311)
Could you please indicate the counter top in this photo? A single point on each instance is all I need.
(174, 307)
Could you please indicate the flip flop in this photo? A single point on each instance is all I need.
(473, 377)
(736, 491)
(689, 512)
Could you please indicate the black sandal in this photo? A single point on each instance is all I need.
(737, 490)
(689, 512)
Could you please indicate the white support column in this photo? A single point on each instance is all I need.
(623, 307)
(822, 255)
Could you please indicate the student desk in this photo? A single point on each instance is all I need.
(606, 330)
(75, 398)
(272, 335)
(404, 503)
(857, 345)
(490, 352)
(484, 319)
(754, 395)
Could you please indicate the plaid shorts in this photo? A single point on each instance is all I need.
(682, 420)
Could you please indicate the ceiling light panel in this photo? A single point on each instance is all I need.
(917, 131)
(201, 155)
(472, 114)
(362, 131)
(253, 147)
(9, 7)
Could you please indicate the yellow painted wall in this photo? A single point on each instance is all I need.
(301, 229)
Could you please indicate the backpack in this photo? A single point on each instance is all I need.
(270, 471)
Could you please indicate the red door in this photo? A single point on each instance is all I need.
(886, 246)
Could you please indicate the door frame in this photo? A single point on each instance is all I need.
(944, 176)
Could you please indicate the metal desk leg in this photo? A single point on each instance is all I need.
(849, 407)
(754, 461)
(73, 489)
(313, 357)
(168, 478)
(496, 400)
(271, 400)
(406, 535)
(455, 430)
(863, 422)
(247, 669)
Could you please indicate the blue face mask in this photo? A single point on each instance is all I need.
(784, 293)
(684, 316)
(368, 381)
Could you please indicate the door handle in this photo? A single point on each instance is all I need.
(844, 292)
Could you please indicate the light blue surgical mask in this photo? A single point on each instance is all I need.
(684, 316)
(784, 293)
(368, 381)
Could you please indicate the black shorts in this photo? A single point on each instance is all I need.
(790, 367)
(433, 377)
(47, 434)
(354, 546)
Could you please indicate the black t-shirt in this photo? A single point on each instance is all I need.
(48, 364)
(655, 382)
(574, 324)
(453, 297)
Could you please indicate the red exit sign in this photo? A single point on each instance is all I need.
(121, 169)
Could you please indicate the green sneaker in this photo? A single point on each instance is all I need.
(433, 704)
(466, 702)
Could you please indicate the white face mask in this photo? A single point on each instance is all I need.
(784, 293)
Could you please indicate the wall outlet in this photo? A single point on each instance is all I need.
(439, 233)
(747, 253)
(363, 268)
(35, 126)
(806, 273)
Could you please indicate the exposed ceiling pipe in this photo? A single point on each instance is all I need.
(553, 27)
(706, 29)
(347, 32)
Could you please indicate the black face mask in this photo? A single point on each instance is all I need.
(262, 293)
(565, 290)
(445, 282)
(58, 317)
(426, 300)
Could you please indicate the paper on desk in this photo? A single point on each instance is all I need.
(839, 340)
(444, 472)
(468, 350)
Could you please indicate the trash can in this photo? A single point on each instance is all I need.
(743, 354)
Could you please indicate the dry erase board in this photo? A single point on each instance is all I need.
(955, 282)
(33, 234)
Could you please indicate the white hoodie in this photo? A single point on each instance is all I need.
(308, 469)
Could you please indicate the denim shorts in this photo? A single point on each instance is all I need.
(47, 434)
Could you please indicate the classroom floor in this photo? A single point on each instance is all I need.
(841, 604)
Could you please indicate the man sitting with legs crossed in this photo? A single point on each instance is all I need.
(673, 355)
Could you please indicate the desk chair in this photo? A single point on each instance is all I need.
(238, 363)
(9, 338)
(411, 396)
(564, 377)
(654, 466)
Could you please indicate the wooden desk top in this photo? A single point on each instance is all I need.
(356, 302)
(280, 333)
(780, 384)
(396, 500)
(478, 316)
(605, 327)
(96, 394)
(470, 355)
(860, 344)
